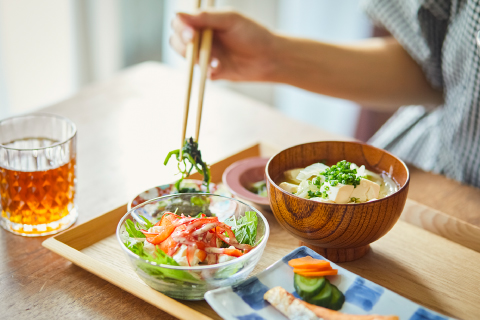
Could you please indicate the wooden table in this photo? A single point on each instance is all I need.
(125, 128)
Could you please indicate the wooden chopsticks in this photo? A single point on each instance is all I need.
(204, 59)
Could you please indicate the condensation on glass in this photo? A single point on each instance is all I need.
(37, 174)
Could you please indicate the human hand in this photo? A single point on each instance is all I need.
(242, 50)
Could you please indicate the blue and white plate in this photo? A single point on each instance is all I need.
(245, 300)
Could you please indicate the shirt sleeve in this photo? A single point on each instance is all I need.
(419, 26)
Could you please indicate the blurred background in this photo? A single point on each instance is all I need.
(50, 49)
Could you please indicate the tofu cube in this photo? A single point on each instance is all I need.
(341, 193)
(366, 190)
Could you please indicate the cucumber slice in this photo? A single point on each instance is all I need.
(337, 299)
(324, 297)
(307, 287)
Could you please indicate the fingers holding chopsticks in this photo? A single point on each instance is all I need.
(242, 50)
(183, 35)
(178, 45)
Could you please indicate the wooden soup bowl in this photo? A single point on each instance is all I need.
(339, 232)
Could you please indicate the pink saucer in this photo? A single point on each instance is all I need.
(241, 174)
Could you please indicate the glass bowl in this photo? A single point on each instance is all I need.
(166, 189)
(191, 283)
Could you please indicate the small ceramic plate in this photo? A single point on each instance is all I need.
(166, 189)
(362, 297)
(241, 174)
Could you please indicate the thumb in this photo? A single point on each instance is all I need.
(208, 19)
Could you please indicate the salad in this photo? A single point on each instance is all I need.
(181, 240)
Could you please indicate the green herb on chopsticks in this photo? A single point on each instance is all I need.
(192, 158)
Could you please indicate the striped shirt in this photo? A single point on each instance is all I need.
(440, 36)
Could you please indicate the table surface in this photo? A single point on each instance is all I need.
(126, 126)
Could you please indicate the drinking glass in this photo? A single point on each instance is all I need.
(37, 174)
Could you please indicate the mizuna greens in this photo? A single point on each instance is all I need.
(245, 228)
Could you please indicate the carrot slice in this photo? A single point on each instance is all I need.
(307, 262)
(313, 269)
(201, 254)
(317, 273)
(316, 266)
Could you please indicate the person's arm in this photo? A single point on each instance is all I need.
(376, 72)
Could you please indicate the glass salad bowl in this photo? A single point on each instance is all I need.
(162, 273)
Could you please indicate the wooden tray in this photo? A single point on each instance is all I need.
(417, 264)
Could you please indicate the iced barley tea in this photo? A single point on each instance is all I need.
(38, 198)
(37, 174)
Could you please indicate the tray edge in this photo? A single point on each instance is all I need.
(116, 278)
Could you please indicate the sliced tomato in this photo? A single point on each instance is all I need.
(159, 223)
(169, 246)
(157, 238)
(168, 218)
(233, 252)
(149, 235)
